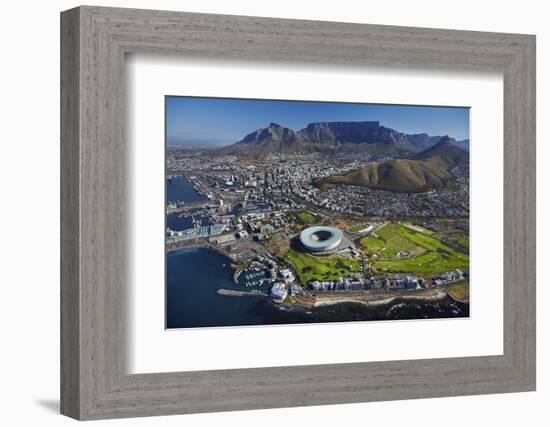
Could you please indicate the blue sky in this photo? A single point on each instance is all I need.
(229, 120)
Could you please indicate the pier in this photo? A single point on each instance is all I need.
(233, 293)
(191, 206)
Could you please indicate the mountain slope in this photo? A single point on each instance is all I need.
(431, 169)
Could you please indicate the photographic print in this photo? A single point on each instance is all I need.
(293, 212)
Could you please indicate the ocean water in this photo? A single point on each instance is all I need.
(193, 277)
(180, 189)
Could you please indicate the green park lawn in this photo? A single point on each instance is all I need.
(306, 218)
(311, 267)
(416, 227)
(389, 240)
(457, 240)
(431, 255)
(429, 263)
(356, 228)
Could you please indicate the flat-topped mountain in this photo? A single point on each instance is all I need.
(428, 170)
(330, 137)
(351, 133)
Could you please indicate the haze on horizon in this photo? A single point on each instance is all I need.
(223, 121)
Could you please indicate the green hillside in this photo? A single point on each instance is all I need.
(428, 170)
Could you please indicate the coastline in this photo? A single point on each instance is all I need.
(375, 300)
(366, 299)
(198, 245)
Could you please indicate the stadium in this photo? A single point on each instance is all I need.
(323, 240)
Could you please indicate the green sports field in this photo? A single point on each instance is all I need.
(430, 255)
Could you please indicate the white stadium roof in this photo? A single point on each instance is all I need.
(321, 238)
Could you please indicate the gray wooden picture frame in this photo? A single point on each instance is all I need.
(94, 381)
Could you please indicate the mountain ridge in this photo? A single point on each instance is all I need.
(329, 137)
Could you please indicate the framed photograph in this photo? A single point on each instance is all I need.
(347, 211)
(339, 220)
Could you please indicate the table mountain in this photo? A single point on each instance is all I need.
(330, 137)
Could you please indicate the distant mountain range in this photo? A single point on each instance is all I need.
(428, 170)
(464, 144)
(331, 137)
(194, 143)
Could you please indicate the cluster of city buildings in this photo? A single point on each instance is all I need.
(197, 232)
(393, 282)
(364, 201)
(396, 282)
(292, 177)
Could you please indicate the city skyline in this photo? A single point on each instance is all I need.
(228, 120)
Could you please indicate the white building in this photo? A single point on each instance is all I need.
(278, 292)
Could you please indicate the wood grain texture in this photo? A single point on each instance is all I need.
(94, 381)
(70, 333)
